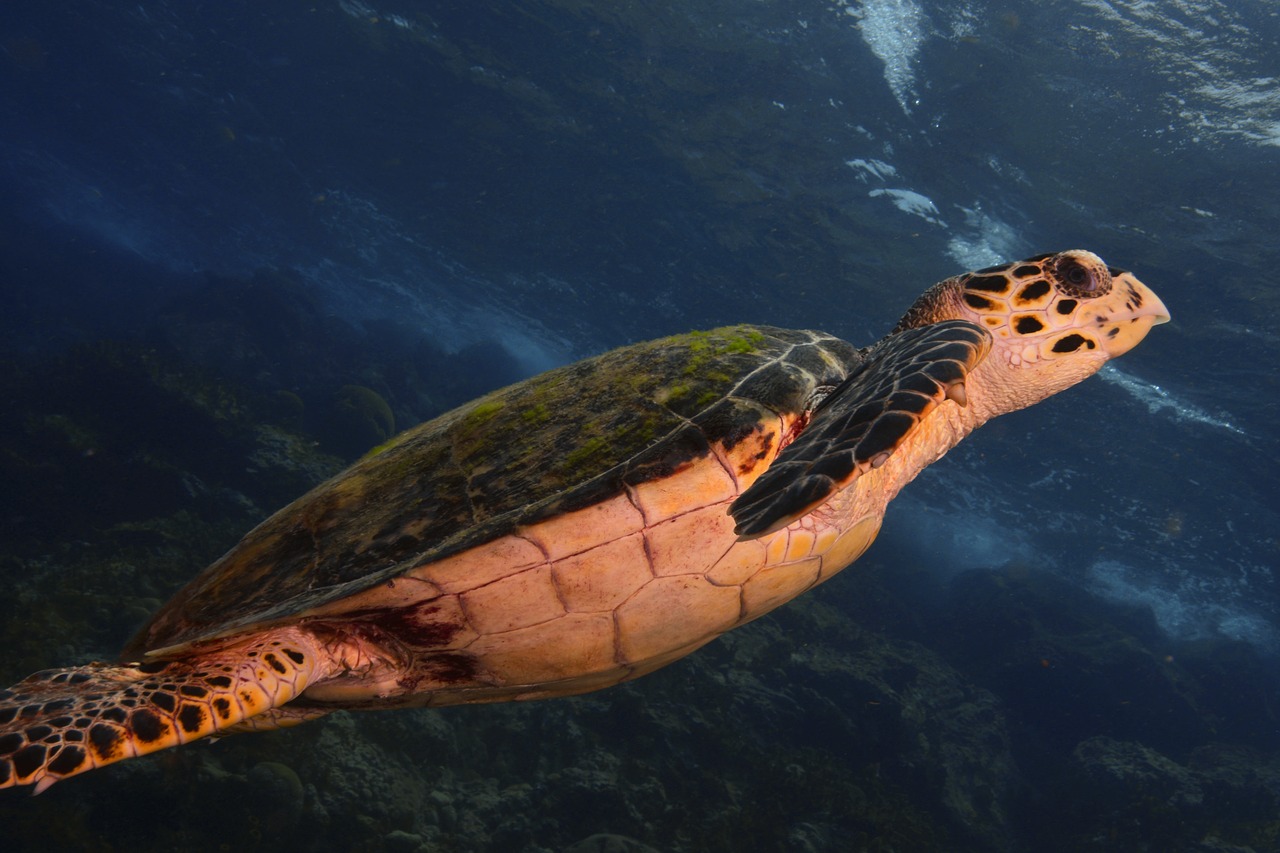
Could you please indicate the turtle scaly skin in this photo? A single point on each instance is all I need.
(581, 528)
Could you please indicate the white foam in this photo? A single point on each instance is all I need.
(1158, 399)
(912, 202)
(356, 9)
(893, 30)
(984, 241)
(1188, 611)
(365, 12)
(1249, 109)
(877, 169)
(1199, 47)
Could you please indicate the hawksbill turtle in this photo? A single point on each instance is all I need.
(583, 527)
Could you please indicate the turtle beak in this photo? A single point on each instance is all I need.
(1131, 309)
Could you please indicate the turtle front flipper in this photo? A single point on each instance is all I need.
(863, 421)
(62, 722)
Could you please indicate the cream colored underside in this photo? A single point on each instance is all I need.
(594, 597)
(613, 591)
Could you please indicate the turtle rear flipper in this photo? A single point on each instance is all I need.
(62, 722)
(863, 421)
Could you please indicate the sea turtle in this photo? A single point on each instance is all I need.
(583, 527)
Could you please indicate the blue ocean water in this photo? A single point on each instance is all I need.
(433, 199)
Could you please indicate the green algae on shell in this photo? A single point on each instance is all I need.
(560, 441)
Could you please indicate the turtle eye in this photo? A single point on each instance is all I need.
(1076, 275)
(1080, 279)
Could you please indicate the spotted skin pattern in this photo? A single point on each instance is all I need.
(61, 722)
(708, 506)
(1048, 299)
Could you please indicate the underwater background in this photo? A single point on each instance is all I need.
(242, 243)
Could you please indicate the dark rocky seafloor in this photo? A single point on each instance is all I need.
(1000, 709)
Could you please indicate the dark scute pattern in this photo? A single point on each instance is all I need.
(1069, 343)
(872, 412)
(563, 440)
(29, 759)
(114, 715)
(910, 401)
(675, 452)
(146, 725)
(167, 703)
(884, 434)
(110, 719)
(731, 421)
(987, 283)
(191, 718)
(9, 743)
(837, 467)
(942, 355)
(918, 383)
(36, 733)
(783, 388)
(68, 759)
(829, 360)
(105, 740)
(1034, 291)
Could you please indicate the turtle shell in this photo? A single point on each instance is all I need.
(560, 441)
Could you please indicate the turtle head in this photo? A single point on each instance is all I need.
(1053, 319)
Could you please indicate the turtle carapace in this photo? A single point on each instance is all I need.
(583, 527)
